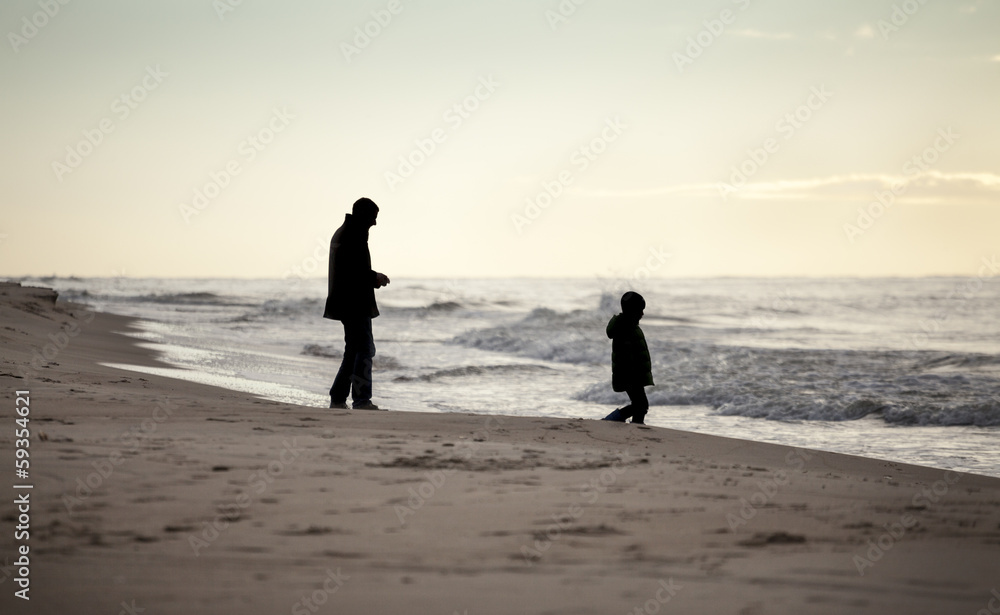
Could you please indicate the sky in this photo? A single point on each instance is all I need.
(572, 138)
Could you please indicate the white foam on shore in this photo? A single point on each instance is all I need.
(265, 390)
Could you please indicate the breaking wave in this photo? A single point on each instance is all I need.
(474, 371)
(380, 361)
(901, 387)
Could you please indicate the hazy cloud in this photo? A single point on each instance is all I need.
(930, 187)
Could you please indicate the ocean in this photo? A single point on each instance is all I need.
(897, 369)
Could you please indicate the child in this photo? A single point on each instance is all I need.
(631, 368)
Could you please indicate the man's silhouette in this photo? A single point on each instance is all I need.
(351, 300)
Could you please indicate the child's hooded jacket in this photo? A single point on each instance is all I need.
(630, 362)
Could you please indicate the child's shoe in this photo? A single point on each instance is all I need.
(616, 416)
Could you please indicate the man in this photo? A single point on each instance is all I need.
(351, 300)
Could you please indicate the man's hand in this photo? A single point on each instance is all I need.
(381, 280)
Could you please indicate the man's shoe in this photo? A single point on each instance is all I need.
(366, 406)
(340, 405)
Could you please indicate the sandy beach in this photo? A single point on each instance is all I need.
(162, 496)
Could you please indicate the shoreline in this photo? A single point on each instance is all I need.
(207, 499)
(932, 445)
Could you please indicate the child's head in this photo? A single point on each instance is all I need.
(633, 304)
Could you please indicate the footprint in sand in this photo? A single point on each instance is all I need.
(775, 538)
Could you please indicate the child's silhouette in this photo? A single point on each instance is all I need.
(631, 367)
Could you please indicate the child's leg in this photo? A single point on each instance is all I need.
(637, 409)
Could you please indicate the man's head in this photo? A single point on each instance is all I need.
(633, 304)
(365, 210)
